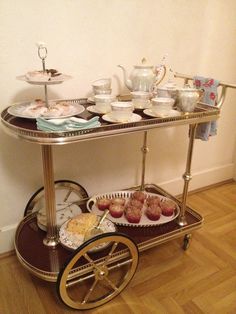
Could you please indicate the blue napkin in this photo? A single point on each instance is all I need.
(209, 85)
(68, 124)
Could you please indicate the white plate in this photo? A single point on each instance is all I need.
(93, 109)
(53, 80)
(20, 110)
(170, 113)
(144, 221)
(72, 241)
(109, 118)
(63, 213)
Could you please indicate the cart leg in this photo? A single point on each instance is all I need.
(187, 175)
(144, 150)
(49, 188)
(186, 241)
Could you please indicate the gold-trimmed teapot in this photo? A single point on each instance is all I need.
(144, 77)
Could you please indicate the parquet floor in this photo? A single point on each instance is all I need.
(168, 280)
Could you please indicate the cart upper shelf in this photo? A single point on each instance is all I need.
(26, 128)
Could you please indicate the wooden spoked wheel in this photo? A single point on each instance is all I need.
(66, 191)
(105, 274)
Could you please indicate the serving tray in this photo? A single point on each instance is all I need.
(122, 221)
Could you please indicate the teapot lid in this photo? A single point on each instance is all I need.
(143, 65)
(188, 88)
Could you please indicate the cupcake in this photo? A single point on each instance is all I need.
(134, 203)
(116, 210)
(118, 200)
(167, 207)
(133, 215)
(103, 203)
(153, 212)
(153, 200)
(139, 195)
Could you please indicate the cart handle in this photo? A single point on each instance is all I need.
(223, 84)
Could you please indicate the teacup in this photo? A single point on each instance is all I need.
(140, 99)
(102, 91)
(103, 102)
(102, 85)
(122, 111)
(162, 104)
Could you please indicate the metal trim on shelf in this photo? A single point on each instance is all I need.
(203, 113)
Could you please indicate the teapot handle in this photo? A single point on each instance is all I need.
(159, 80)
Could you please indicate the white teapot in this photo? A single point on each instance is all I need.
(144, 77)
(188, 98)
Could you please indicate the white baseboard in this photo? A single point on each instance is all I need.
(174, 186)
(200, 179)
(7, 234)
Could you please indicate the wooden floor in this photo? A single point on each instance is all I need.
(168, 280)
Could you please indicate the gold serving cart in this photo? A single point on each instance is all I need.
(86, 278)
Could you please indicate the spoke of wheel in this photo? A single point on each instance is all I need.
(114, 246)
(95, 266)
(91, 261)
(67, 195)
(89, 292)
(111, 283)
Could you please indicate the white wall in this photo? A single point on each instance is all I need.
(87, 39)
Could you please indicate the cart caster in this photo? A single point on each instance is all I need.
(65, 190)
(186, 242)
(104, 274)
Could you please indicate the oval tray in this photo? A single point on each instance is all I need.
(122, 221)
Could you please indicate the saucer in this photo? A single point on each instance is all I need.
(93, 109)
(91, 99)
(162, 114)
(134, 118)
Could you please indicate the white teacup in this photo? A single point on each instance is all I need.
(102, 85)
(102, 91)
(162, 104)
(140, 99)
(103, 102)
(122, 111)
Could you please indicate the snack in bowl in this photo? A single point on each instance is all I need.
(81, 223)
(46, 75)
(72, 232)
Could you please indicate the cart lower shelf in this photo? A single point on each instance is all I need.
(46, 262)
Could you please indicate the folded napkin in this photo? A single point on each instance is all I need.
(209, 85)
(68, 124)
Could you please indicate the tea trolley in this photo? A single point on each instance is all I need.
(86, 278)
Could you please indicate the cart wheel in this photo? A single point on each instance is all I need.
(104, 274)
(186, 242)
(65, 191)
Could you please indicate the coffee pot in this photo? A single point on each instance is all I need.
(144, 77)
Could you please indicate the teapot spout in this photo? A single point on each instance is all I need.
(127, 82)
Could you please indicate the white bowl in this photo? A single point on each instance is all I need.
(162, 103)
(122, 110)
